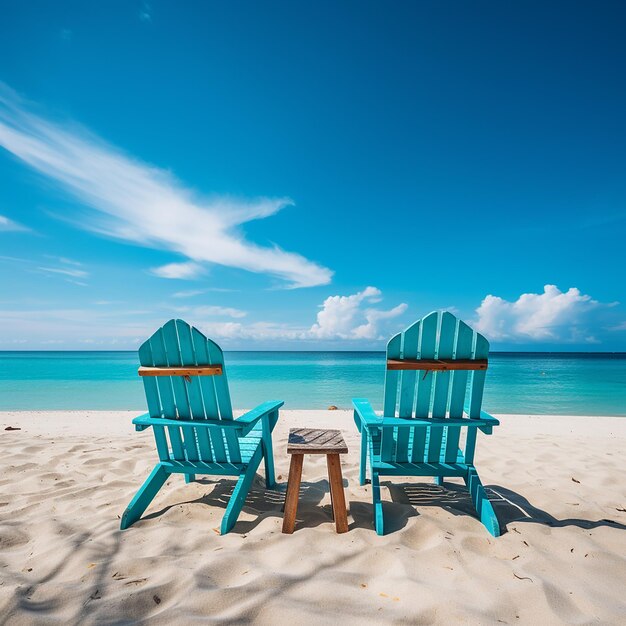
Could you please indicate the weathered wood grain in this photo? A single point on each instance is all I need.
(180, 371)
(293, 493)
(316, 441)
(337, 495)
(438, 365)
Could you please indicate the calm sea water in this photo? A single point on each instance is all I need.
(543, 383)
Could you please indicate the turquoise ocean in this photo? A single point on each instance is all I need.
(542, 383)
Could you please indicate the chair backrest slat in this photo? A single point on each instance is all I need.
(463, 350)
(194, 391)
(209, 397)
(427, 350)
(223, 400)
(392, 377)
(481, 350)
(179, 388)
(154, 403)
(194, 398)
(410, 345)
(166, 393)
(436, 391)
(441, 380)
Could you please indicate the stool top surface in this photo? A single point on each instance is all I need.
(316, 441)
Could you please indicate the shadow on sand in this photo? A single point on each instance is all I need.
(261, 502)
(508, 505)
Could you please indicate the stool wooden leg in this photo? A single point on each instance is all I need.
(336, 493)
(293, 493)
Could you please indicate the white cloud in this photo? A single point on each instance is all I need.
(190, 293)
(551, 316)
(343, 316)
(340, 318)
(370, 330)
(136, 202)
(7, 225)
(199, 312)
(336, 319)
(74, 273)
(256, 331)
(72, 325)
(184, 271)
(145, 14)
(67, 261)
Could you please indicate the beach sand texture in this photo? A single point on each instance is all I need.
(67, 476)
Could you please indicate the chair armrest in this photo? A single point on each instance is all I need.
(142, 421)
(245, 423)
(433, 422)
(145, 421)
(490, 419)
(364, 414)
(249, 419)
(486, 418)
(484, 424)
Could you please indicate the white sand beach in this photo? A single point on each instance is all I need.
(559, 484)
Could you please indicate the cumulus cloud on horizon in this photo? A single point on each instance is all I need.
(343, 316)
(129, 200)
(340, 318)
(349, 317)
(551, 316)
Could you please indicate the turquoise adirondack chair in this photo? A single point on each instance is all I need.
(191, 417)
(431, 412)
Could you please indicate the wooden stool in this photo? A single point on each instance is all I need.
(316, 441)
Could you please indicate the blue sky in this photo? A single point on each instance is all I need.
(312, 175)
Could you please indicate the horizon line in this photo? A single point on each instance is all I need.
(134, 351)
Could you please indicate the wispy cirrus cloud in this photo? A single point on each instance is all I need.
(145, 13)
(8, 225)
(192, 293)
(64, 259)
(199, 312)
(69, 269)
(130, 200)
(180, 271)
(188, 293)
(65, 271)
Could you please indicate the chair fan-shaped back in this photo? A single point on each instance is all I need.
(177, 343)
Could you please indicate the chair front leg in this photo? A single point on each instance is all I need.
(268, 452)
(363, 466)
(144, 496)
(378, 505)
(482, 505)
